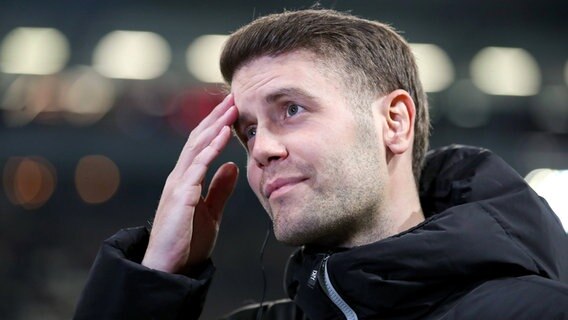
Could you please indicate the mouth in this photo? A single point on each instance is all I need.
(280, 186)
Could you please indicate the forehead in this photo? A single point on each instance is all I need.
(265, 74)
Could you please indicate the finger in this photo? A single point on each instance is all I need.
(219, 111)
(195, 173)
(221, 187)
(197, 142)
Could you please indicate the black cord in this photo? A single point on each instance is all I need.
(260, 311)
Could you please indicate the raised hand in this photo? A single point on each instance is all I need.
(186, 224)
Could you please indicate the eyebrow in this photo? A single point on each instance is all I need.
(288, 92)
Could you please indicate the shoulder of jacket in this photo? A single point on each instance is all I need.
(526, 297)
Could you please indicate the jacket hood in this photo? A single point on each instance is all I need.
(483, 222)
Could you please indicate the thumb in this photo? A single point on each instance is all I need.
(221, 188)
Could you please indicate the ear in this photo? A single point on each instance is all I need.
(400, 112)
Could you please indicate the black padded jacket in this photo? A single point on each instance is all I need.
(490, 248)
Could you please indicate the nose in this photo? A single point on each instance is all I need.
(267, 147)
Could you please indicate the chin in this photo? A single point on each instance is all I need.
(292, 227)
(289, 239)
(293, 236)
(283, 234)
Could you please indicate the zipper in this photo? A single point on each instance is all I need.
(332, 294)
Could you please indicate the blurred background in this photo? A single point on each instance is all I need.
(98, 97)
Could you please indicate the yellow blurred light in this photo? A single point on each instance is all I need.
(34, 51)
(537, 177)
(96, 178)
(202, 58)
(132, 55)
(434, 66)
(27, 97)
(506, 71)
(29, 182)
(18, 111)
(87, 96)
(551, 185)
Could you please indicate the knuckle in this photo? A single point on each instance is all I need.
(191, 144)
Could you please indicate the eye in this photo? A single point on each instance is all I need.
(293, 109)
(250, 132)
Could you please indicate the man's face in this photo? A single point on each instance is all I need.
(317, 167)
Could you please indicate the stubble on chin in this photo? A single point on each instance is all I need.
(287, 214)
(322, 214)
(342, 202)
(342, 206)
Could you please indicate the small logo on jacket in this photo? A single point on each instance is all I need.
(313, 279)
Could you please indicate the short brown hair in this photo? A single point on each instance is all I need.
(374, 57)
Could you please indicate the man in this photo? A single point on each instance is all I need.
(335, 123)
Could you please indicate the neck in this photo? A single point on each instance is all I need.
(404, 209)
(400, 211)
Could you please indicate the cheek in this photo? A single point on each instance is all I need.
(318, 147)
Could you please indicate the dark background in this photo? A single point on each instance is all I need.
(46, 252)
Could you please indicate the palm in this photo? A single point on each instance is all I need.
(205, 228)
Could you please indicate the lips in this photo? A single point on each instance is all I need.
(279, 183)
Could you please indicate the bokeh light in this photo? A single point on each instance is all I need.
(506, 71)
(87, 96)
(17, 110)
(203, 56)
(29, 182)
(34, 51)
(96, 178)
(551, 185)
(132, 55)
(434, 66)
(27, 97)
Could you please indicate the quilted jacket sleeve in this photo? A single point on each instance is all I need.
(119, 287)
